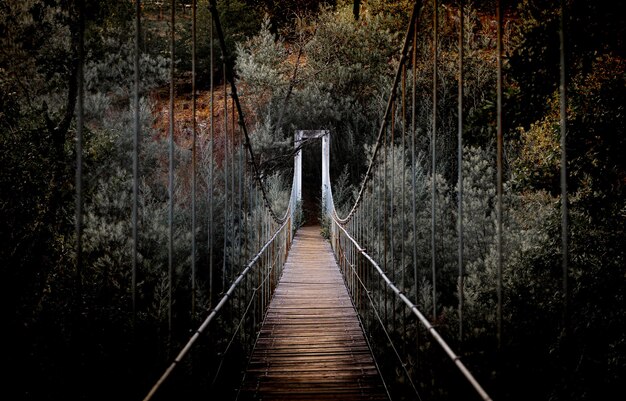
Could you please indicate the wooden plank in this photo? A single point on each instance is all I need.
(311, 345)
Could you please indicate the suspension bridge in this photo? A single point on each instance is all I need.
(309, 312)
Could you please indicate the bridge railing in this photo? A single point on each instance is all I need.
(256, 242)
(240, 312)
(368, 241)
(389, 316)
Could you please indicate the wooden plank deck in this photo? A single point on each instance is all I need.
(311, 345)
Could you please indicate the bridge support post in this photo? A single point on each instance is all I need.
(297, 166)
(299, 138)
(327, 196)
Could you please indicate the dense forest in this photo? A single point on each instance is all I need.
(70, 329)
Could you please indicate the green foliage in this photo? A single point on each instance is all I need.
(396, 14)
(278, 193)
(239, 21)
(479, 192)
(263, 67)
(340, 53)
(536, 49)
(316, 82)
(114, 72)
(283, 13)
(38, 66)
(594, 133)
(532, 292)
(539, 160)
(270, 150)
(343, 196)
(324, 226)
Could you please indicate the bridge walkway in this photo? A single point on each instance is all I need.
(311, 345)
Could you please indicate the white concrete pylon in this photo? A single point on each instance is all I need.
(299, 138)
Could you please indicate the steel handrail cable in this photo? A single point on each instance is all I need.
(382, 324)
(212, 315)
(365, 336)
(283, 222)
(241, 320)
(429, 327)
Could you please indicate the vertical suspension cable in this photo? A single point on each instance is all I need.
(370, 219)
(355, 258)
(253, 224)
(499, 173)
(433, 145)
(232, 190)
(371, 244)
(378, 225)
(193, 158)
(135, 200)
(413, 167)
(564, 195)
(264, 235)
(259, 284)
(391, 209)
(170, 263)
(242, 201)
(369, 280)
(385, 217)
(136, 135)
(247, 201)
(391, 193)
(363, 223)
(258, 225)
(79, 147)
(236, 237)
(225, 173)
(211, 161)
(403, 211)
(244, 210)
(460, 171)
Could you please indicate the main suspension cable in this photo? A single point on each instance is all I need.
(228, 70)
(381, 132)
